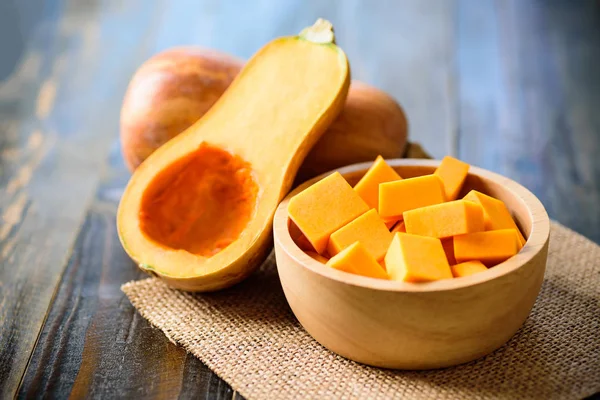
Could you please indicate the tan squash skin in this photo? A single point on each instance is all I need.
(170, 92)
(372, 123)
(269, 105)
(174, 89)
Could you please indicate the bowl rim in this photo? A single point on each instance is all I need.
(538, 237)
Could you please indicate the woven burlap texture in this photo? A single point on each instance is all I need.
(249, 337)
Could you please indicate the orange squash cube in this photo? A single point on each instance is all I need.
(400, 196)
(317, 256)
(489, 247)
(382, 263)
(325, 207)
(495, 214)
(357, 260)
(298, 238)
(368, 229)
(413, 258)
(453, 174)
(400, 227)
(467, 268)
(368, 186)
(390, 222)
(445, 220)
(295, 232)
(303, 243)
(448, 245)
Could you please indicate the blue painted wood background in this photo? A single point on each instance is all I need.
(509, 85)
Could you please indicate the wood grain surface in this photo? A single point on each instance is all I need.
(93, 342)
(508, 85)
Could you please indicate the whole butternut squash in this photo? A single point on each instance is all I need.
(175, 88)
(168, 93)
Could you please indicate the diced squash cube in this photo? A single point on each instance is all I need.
(448, 245)
(390, 222)
(368, 186)
(317, 256)
(368, 229)
(489, 247)
(303, 243)
(382, 263)
(495, 214)
(357, 260)
(445, 220)
(467, 268)
(325, 207)
(413, 258)
(400, 227)
(407, 194)
(295, 232)
(453, 174)
(298, 238)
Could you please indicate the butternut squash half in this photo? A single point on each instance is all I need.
(198, 212)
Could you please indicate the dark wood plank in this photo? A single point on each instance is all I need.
(529, 89)
(55, 138)
(93, 343)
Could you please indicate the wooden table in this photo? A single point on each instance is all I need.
(508, 85)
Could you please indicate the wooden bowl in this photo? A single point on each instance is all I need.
(417, 325)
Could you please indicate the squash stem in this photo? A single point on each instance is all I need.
(321, 32)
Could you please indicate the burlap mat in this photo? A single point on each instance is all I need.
(249, 337)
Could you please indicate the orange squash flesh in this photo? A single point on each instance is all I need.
(400, 227)
(325, 207)
(434, 238)
(201, 203)
(448, 245)
(390, 222)
(445, 220)
(299, 238)
(279, 105)
(368, 229)
(407, 194)
(295, 232)
(413, 258)
(496, 215)
(489, 247)
(467, 268)
(304, 244)
(316, 256)
(356, 259)
(368, 186)
(453, 173)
